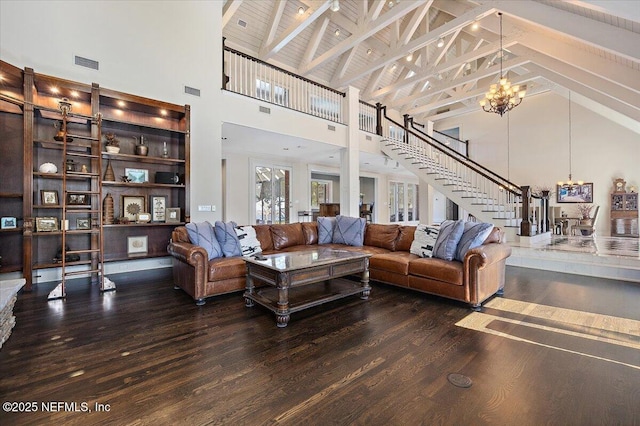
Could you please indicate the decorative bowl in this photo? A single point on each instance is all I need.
(48, 168)
(113, 149)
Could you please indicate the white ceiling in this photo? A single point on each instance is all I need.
(590, 48)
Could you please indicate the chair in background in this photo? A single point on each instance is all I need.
(587, 229)
(559, 223)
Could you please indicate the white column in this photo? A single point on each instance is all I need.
(350, 158)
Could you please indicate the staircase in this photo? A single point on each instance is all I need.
(487, 196)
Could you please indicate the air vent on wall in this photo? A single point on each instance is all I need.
(442, 111)
(242, 23)
(265, 110)
(87, 63)
(191, 91)
(332, 128)
(367, 137)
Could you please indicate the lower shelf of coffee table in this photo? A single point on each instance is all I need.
(307, 296)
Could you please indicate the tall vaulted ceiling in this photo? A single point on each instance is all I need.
(588, 48)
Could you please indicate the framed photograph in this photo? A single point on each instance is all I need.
(172, 214)
(143, 217)
(46, 224)
(157, 206)
(137, 175)
(575, 194)
(137, 246)
(49, 197)
(83, 223)
(8, 223)
(132, 205)
(77, 199)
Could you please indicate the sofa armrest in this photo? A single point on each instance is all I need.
(484, 271)
(189, 253)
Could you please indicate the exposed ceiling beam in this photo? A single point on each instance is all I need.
(594, 33)
(312, 47)
(414, 22)
(344, 63)
(362, 34)
(294, 29)
(276, 15)
(424, 40)
(375, 11)
(230, 7)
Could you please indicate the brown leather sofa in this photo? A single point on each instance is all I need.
(478, 277)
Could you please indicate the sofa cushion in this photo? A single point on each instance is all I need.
(263, 234)
(349, 230)
(310, 232)
(396, 262)
(473, 236)
(226, 235)
(383, 236)
(202, 234)
(405, 238)
(437, 269)
(448, 238)
(249, 243)
(225, 268)
(494, 237)
(325, 229)
(286, 235)
(424, 240)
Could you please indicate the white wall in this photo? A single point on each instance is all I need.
(151, 49)
(537, 153)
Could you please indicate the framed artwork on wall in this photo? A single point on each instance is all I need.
(132, 205)
(157, 206)
(575, 193)
(49, 197)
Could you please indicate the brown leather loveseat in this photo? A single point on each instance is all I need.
(479, 276)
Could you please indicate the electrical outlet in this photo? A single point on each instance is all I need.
(213, 208)
(205, 208)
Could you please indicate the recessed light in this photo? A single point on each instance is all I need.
(121, 104)
(369, 51)
(74, 94)
(394, 66)
(337, 32)
(163, 112)
(410, 57)
(440, 42)
(335, 5)
(54, 89)
(391, 3)
(475, 26)
(300, 10)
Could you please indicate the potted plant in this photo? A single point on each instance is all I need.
(584, 211)
(112, 143)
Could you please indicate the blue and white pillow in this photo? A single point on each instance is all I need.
(448, 238)
(249, 243)
(203, 235)
(349, 230)
(325, 229)
(473, 236)
(424, 240)
(226, 235)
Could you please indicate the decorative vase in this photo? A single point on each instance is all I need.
(108, 174)
(108, 212)
(142, 148)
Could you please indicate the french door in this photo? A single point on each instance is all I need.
(272, 194)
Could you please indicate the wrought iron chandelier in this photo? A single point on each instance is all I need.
(502, 97)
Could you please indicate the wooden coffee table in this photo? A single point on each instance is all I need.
(299, 280)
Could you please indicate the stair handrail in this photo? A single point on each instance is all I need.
(466, 159)
(505, 184)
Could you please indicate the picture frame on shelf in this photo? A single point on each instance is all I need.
(143, 217)
(75, 199)
(131, 205)
(157, 207)
(47, 224)
(8, 222)
(83, 223)
(172, 215)
(49, 197)
(137, 245)
(575, 193)
(137, 175)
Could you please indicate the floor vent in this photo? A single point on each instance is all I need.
(332, 128)
(242, 23)
(265, 110)
(191, 91)
(87, 63)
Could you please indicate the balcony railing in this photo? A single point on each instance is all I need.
(257, 79)
(368, 117)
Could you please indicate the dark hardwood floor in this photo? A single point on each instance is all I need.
(150, 355)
